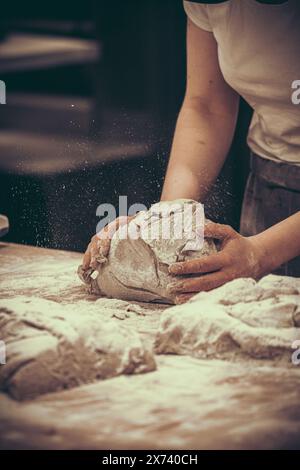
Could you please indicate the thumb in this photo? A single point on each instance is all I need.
(219, 231)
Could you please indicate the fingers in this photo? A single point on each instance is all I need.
(99, 251)
(219, 231)
(99, 246)
(210, 263)
(197, 284)
(96, 255)
(85, 274)
(111, 228)
(215, 268)
(86, 258)
(206, 264)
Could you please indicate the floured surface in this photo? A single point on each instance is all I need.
(52, 275)
(50, 347)
(185, 403)
(241, 320)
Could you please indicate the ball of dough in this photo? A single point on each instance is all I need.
(142, 251)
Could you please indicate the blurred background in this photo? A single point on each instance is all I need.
(93, 92)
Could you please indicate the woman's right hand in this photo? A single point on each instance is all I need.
(98, 248)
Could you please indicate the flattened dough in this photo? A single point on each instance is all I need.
(241, 319)
(137, 268)
(51, 347)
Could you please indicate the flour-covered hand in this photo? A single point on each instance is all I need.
(238, 257)
(99, 245)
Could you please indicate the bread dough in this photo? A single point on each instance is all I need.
(137, 269)
(51, 347)
(243, 318)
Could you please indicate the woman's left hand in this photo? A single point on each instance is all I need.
(238, 257)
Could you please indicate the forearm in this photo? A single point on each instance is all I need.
(279, 243)
(201, 143)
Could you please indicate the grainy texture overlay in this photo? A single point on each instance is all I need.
(186, 403)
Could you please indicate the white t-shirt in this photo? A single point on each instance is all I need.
(259, 55)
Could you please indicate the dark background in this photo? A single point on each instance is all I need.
(80, 129)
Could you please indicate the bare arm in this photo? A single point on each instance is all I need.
(280, 243)
(203, 134)
(205, 124)
(202, 139)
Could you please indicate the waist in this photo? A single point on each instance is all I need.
(276, 173)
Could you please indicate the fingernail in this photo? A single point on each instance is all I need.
(175, 269)
(94, 274)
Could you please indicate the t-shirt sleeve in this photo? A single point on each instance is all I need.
(198, 14)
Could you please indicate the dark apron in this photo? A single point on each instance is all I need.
(272, 194)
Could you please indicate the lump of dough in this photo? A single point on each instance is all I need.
(243, 318)
(137, 268)
(50, 347)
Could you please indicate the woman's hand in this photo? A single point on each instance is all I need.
(99, 245)
(238, 257)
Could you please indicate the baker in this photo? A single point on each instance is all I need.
(236, 48)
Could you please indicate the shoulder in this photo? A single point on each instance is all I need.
(198, 14)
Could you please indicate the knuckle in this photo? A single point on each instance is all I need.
(228, 229)
(194, 265)
(183, 287)
(210, 226)
(182, 268)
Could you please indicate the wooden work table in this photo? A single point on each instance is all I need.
(186, 403)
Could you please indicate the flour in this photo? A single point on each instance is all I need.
(51, 347)
(241, 319)
(137, 265)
